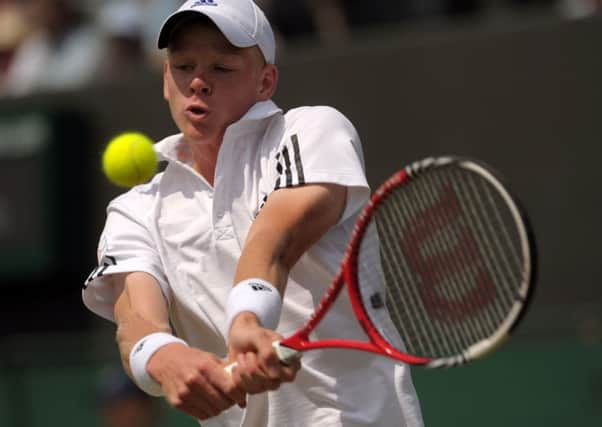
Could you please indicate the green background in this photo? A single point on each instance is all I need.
(552, 383)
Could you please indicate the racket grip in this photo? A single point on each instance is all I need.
(285, 354)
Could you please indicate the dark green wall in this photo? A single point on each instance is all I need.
(530, 383)
(528, 102)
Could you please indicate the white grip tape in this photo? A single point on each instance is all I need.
(257, 296)
(140, 355)
(285, 354)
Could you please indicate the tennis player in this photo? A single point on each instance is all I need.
(232, 246)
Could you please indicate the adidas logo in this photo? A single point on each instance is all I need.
(140, 347)
(204, 3)
(259, 287)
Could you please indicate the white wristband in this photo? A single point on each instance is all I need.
(141, 353)
(258, 297)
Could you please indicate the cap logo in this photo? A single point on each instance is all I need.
(204, 3)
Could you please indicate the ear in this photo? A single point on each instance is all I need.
(165, 85)
(268, 82)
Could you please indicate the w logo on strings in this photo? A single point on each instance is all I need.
(204, 3)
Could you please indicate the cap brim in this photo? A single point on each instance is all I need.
(229, 29)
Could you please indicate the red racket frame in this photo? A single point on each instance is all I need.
(349, 275)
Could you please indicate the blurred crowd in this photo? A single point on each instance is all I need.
(122, 403)
(48, 45)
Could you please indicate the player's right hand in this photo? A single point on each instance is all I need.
(194, 381)
(258, 368)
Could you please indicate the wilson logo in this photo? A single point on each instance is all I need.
(204, 3)
(435, 264)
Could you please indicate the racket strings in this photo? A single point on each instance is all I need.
(440, 257)
(396, 297)
(398, 293)
(466, 257)
(503, 248)
(446, 259)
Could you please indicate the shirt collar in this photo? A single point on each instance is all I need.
(167, 148)
(260, 110)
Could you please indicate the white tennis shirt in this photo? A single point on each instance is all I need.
(189, 235)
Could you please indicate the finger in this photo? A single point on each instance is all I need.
(194, 411)
(209, 397)
(182, 402)
(229, 383)
(289, 372)
(236, 393)
(253, 378)
(272, 366)
(246, 367)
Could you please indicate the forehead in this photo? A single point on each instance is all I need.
(196, 33)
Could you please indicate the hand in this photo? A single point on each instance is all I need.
(258, 367)
(194, 381)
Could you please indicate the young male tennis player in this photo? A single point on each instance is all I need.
(232, 246)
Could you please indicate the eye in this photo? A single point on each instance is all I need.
(223, 68)
(184, 67)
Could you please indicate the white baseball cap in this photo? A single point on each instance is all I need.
(242, 22)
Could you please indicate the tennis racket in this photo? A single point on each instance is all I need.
(439, 269)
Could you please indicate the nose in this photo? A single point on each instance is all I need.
(200, 85)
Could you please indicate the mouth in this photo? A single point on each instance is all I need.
(196, 112)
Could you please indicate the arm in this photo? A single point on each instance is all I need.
(193, 381)
(291, 221)
(139, 310)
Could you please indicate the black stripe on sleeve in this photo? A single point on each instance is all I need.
(99, 271)
(279, 170)
(298, 163)
(278, 165)
(287, 163)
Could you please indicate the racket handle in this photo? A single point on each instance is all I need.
(285, 354)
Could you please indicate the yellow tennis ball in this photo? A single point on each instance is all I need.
(129, 159)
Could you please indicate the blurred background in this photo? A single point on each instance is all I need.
(516, 83)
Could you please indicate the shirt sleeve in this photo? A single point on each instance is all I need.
(125, 246)
(322, 146)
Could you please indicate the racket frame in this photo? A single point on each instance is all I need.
(289, 347)
(299, 341)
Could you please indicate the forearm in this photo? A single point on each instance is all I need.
(132, 328)
(139, 311)
(191, 380)
(291, 221)
(264, 257)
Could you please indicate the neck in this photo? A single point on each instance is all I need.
(202, 156)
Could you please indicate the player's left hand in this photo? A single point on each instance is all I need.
(258, 367)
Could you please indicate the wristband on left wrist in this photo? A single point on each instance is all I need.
(257, 296)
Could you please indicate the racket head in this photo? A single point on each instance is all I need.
(458, 260)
